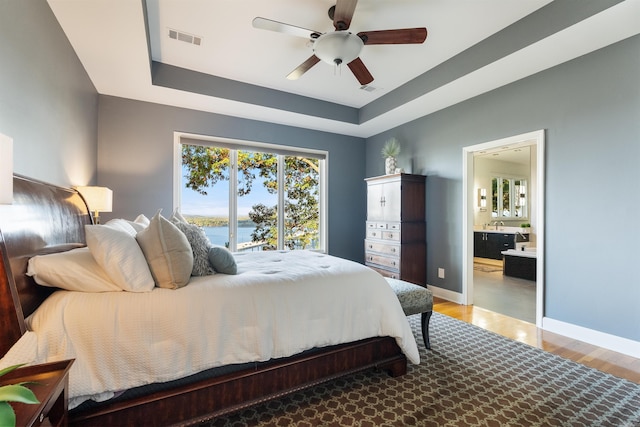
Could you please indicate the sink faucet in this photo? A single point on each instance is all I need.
(496, 224)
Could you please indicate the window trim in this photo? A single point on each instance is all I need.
(513, 196)
(180, 138)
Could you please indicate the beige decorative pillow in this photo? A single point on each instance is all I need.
(177, 217)
(167, 252)
(140, 223)
(119, 255)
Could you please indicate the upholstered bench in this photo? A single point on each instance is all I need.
(414, 299)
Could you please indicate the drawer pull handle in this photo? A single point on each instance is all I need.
(370, 246)
(391, 235)
(393, 249)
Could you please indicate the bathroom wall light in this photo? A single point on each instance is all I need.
(482, 198)
(99, 199)
(523, 194)
(6, 170)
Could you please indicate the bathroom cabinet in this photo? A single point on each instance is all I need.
(523, 267)
(488, 244)
(395, 244)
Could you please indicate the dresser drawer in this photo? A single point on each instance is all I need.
(374, 233)
(381, 247)
(372, 225)
(391, 235)
(385, 273)
(383, 225)
(390, 262)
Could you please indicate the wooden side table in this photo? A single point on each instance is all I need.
(50, 384)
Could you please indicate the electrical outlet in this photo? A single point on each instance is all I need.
(441, 273)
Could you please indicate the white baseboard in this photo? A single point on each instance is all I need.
(446, 294)
(590, 336)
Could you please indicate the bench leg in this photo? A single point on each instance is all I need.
(424, 321)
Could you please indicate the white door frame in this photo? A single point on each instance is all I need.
(536, 139)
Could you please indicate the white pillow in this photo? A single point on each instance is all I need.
(120, 256)
(123, 225)
(140, 223)
(73, 270)
(167, 252)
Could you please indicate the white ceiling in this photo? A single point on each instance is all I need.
(111, 41)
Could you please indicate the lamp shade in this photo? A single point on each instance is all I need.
(99, 199)
(6, 170)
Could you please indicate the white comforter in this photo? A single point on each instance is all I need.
(279, 304)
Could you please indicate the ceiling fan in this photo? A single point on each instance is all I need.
(341, 46)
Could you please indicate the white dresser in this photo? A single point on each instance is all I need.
(396, 231)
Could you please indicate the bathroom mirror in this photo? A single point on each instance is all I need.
(509, 197)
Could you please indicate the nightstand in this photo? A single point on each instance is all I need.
(50, 383)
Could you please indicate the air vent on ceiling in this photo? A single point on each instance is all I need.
(368, 88)
(185, 37)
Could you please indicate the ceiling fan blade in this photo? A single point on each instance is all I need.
(343, 14)
(271, 25)
(303, 68)
(402, 36)
(361, 72)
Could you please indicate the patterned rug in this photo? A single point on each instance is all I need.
(470, 377)
(486, 268)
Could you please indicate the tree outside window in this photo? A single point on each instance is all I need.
(258, 172)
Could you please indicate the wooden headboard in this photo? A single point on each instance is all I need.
(43, 218)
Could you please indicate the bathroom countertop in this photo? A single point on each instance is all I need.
(501, 229)
(525, 254)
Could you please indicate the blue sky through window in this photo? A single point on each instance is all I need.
(216, 202)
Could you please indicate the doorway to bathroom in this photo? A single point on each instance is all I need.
(503, 187)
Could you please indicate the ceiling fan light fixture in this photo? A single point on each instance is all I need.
(338, 47)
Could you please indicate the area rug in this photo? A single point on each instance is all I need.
(470, 377)
(486, 268)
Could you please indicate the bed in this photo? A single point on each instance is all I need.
(48, 219)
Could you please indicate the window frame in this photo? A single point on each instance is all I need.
(181, 138)
(514, 197)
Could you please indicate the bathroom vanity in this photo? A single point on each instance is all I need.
(490, 243)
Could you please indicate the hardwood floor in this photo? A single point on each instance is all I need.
(617, 364)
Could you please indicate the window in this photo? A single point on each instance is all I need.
(509, 198)
(251, 196)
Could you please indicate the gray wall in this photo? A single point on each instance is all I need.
(48, 105)
(590, 109)
(135, 160)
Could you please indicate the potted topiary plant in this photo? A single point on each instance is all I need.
(390, 151)
(13, 393)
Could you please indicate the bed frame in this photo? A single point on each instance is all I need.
(45, 218)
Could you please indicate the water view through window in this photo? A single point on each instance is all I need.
(253, 219)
